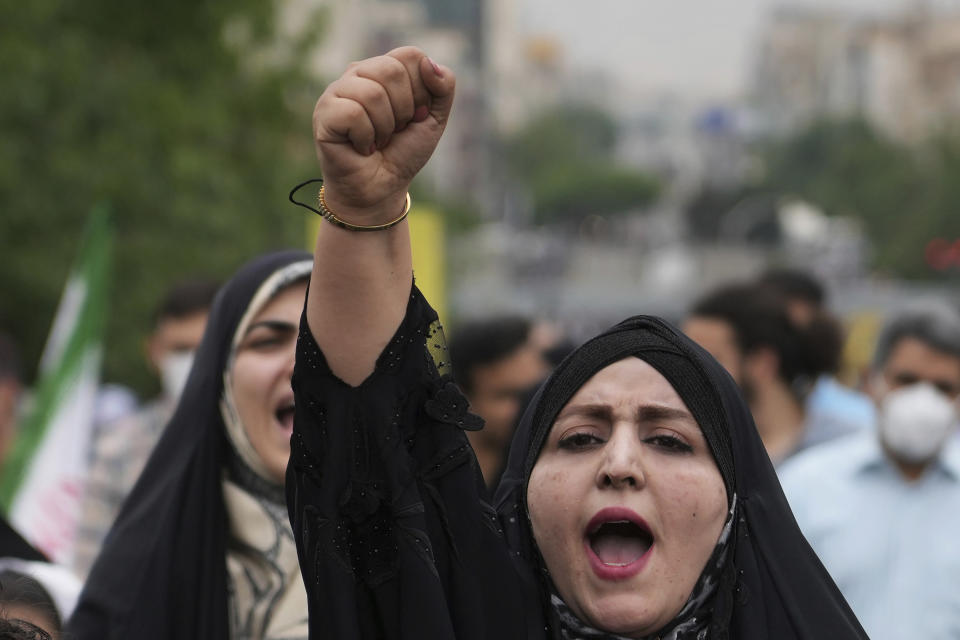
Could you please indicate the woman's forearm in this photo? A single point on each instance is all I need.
(358, 295)
(374, 129)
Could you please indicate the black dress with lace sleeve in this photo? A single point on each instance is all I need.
(395, 534)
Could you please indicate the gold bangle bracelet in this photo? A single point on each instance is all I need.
(331, 217)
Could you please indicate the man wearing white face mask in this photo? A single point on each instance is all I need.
(882, 509)
(122, 447)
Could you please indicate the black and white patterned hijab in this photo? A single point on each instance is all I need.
(170, 566)
(267, 597)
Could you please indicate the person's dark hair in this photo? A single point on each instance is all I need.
(481, 342)
(24, 591)
(186, 298)
(794, 284)
(21, 630)
(9, 358)
(758, 317)
(555, 354)
(935, 324)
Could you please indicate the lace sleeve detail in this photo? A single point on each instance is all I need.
(384, 493)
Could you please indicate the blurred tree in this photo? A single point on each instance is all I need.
(713, 211)
(563, 158)
(567, 130)
(460, 213)
(579, 189)
(905, 196)
(178, 114)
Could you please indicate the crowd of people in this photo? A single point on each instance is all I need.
(320, 465)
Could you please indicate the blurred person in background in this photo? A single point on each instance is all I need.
(748, 329)
(31, 588)
(829, 400)
(13, 629)
(496, 361)
(10, 390)
(803, 294)
(121, 447)
(880, 507)
(202, 548)
(551, 341)
(114, 401)
(26, 597)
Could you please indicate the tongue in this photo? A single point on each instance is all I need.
(618, 550)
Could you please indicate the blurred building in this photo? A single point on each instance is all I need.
(448, 30)
(527, 72)
(899, 72)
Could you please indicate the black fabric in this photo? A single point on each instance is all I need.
(396, 539)
(13, 545)
(162, 571)
(395, 535)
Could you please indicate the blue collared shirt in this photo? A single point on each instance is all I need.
(892, 546)
(839, 409)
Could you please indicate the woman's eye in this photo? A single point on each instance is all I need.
(670, 443)
(265, 342)
(579, 441)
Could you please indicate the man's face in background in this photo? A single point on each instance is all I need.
(170, 349)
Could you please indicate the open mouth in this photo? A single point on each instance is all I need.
(619, 543)
(284, 414)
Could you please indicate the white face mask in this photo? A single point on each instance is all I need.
(915, 422)
(174, 370)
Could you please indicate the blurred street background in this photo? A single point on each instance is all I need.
(604, 159)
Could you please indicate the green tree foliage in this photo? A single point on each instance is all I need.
(905, 196)
(572, 191)
(182, 115)
(563, 157)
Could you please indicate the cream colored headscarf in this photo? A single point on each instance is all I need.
(267, 599)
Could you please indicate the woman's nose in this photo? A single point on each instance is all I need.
(622, 464)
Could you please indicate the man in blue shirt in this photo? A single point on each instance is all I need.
(882, 508)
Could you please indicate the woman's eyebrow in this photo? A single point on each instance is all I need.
(645, 413)
(655, 412)
(602, 411)
(273, 325)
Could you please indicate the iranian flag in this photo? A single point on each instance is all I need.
(42, 480)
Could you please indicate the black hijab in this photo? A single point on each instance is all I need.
(162, 571)
(771, 584)
(13, 545)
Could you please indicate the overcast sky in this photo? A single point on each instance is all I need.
(698, 48)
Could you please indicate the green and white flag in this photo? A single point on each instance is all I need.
(43, 479)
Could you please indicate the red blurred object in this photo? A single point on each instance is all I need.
(941, 254)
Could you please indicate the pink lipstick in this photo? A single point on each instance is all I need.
(618, 543)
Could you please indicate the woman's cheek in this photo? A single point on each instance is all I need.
(698, 501)
(547, 498)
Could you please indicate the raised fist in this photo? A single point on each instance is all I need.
(374, 129)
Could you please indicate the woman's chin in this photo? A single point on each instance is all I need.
(625, 615)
